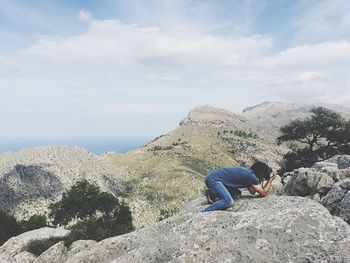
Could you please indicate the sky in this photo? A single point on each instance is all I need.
(133, 67)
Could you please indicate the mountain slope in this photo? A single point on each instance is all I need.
(171, 169)
(272, 115)
(33, 178)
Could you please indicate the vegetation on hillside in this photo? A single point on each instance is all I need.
(97, 215)
(170, 170)
(10, 227)
(321, 136)
(84, 208)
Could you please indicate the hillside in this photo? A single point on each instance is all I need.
(33, 178)
(272, 115)
(171, 169)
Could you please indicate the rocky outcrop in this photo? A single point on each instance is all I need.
(216, 117)
(16, 248)
(337, 200)
(327, 182)
(270, 229)
(307, 182)
(318, 179)
(33, 178)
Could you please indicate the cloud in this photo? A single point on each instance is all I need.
(115, 69)
(309, 76)
(84, 15)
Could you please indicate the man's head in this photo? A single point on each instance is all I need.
(261, 170)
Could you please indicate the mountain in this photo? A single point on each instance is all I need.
(170, 170)
(273, 115)
(33, 178)
(160, 176)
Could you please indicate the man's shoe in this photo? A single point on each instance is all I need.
(210, 197)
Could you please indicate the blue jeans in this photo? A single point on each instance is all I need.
(219, 190)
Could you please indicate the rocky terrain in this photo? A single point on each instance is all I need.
(167, 173)
(326, 182)
(271, 229)
(33, 178)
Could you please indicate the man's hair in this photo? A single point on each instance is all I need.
(261, 170)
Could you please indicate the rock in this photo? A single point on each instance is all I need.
(324, 184)
(336, 167)
(80, 245)
(15, 245)
(277, 187)
(24, 257)
(270, 229)
(55, 254)
(307, 182)
(337, 201)
(343, 161)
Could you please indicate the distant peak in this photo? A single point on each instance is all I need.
(258, 105)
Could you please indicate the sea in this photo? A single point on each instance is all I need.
(95, 144)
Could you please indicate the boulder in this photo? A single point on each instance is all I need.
(307, 182)
(337, 201)
(56, 253)
(270, 229)
(10, 250)
(24, 257)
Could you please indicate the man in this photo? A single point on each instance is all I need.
(236, 177)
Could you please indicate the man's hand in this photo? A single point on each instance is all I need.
(273, 177)
(263, 191)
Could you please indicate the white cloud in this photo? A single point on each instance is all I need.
(120, 70)
(309, 76)
(84, 15)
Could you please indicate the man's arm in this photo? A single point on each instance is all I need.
(262, 191)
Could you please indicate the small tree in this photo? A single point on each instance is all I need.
(99, 214)
(320, 136)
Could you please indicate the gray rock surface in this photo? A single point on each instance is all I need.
(271, 229)
(24, 257)
(13, 249)
(307, 182)
(318, 180)
(337, 200)
(56, 253)
(80, 245)
(33, 178)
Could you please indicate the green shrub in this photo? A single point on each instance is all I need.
(8, 227)
(37, 247)
(99, 214)
(34, 222)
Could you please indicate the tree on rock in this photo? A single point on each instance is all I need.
(98, 214)
(320, 136)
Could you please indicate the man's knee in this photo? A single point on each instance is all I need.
(228, 201)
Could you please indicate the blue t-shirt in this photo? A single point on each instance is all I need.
(235, 176)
